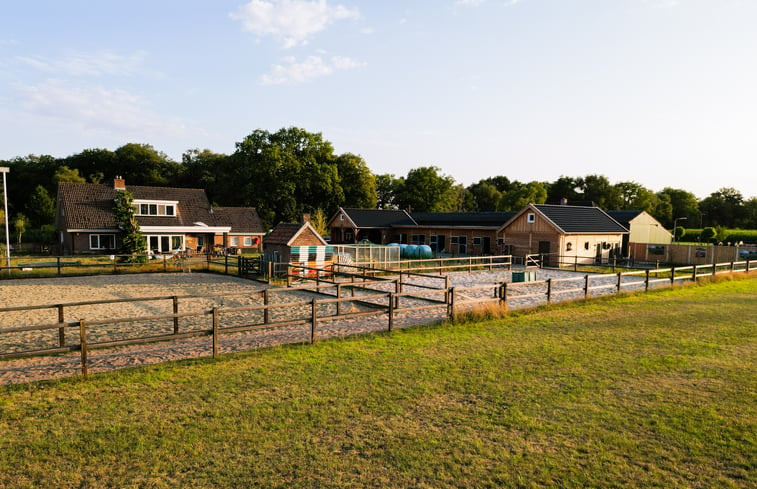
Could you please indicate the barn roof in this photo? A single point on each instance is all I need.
(578, 219)
(624, 217)
(462, 219)
(378, 218)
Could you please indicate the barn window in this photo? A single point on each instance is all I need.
(248, 240)
(477, 241)
(586, 245)
(531, 217)
(569, 246)
(341, 217)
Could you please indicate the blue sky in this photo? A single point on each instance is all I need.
(662, 92)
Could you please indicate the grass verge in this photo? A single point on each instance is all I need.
(653, 390)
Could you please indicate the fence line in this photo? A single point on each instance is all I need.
(381, 303)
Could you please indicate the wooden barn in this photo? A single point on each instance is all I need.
(583, 234)
(642, 228)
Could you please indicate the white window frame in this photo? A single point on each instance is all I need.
(531, 217)
(234, 241)
(99, 242)
(248, 241)
(172, 238)
(477, 241)
(156, 208)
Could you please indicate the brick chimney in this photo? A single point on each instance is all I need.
(119, 183)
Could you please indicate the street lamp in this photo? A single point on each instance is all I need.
(4, 170)
(675, 225)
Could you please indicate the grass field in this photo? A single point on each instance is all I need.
(652, 390)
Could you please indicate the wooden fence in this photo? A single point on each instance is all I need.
(368, 292)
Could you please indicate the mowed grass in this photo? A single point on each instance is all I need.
(653, 390)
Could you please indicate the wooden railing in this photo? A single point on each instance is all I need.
(369, 294)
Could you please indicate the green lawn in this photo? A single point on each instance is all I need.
(654, 390)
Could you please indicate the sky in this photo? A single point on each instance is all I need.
(659, 92)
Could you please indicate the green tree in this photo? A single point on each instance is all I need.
(709, 234)
(634, 196)
(724, 207)
(564, 188)
(682, 204)
(679, 232)
(485, 196)
(40, 207)
(141, 164)
(66, 174)
(318, 221)
(93, 164)
(357, 181)
(521, 195)
(387, 190)
(598, 189)
(20, 224)
(207, 170)
(425, 189)
(132, 240)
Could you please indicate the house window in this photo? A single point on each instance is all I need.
(477, 241)
(586, 245)
(531, 218)
(341, 217)
(234, 241)
(462, 243)
(402, 238)
(165, 243)
(102, 241)
(569, 246)
(418, 239)
(247, 241)
(155, 208)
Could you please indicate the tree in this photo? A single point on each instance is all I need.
(485, 196)
(679, 232)
(19, 225)
(387, 189)
(564, 188)
(709, 234)
(682, 204)
(598, 189)
(66, 174)
(141, 164)
(521, 195)
(425, 189)
(724, 207)
(93, 164)
(318, 221)
(636, 197)
(132, 241)
(357, 181)
(205, 169)
(40, 207)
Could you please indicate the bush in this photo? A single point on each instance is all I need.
(708, 234)
(679, 232)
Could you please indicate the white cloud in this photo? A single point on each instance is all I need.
(291, 22)
(99, 64)
(311, 67)
(96, 109)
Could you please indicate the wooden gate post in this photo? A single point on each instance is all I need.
(694, 273)
(549, 290)
(451, 303)
(62, 329)
(339, 296)
(397, 290)
(57, 258)
(165, 265)
(672, 275)
(83, 346)
(646, 281)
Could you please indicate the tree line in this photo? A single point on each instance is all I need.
(287, 173)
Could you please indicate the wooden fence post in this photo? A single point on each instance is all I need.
(747, 266)
(62, 329)
(451, 303)
(215, 332)
(313, 320)
(288, 266)
(503, 295)
(175, 312)
(226, 263)
(620, 279)
(265, 303)
(446, 288)
(470, 264)
(83, 346)
(586, 286)
(270, 271)
(165, 264)
(549, 290)
(694, 273)
(733, 268)
(575, 263)
(115, 264)
(672, 275)
(339, 296)
(646, 281)
(397, 290)
(392, 298)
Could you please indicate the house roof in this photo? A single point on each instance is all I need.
(378, 218)
(462, 219)
(90, 206)
(243, 220)
(624, 217)
(284, 233)
(579, 219)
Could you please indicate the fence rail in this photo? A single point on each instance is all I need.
(375, 302)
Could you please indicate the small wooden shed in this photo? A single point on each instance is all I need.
(297, 244)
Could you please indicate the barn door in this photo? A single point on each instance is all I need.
(544, 252)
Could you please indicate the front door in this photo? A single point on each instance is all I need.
(486, 245)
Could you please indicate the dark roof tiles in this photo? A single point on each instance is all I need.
(577, 219)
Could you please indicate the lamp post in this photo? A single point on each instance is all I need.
(4, 170)
(675, 225)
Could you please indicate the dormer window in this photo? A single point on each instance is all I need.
(155, 208)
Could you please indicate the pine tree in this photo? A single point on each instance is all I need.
(132, 240)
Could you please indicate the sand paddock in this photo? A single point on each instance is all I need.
(50, 291)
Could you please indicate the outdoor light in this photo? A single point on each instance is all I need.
(675, 221)
(4, 170)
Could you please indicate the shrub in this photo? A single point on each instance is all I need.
(708, 234)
